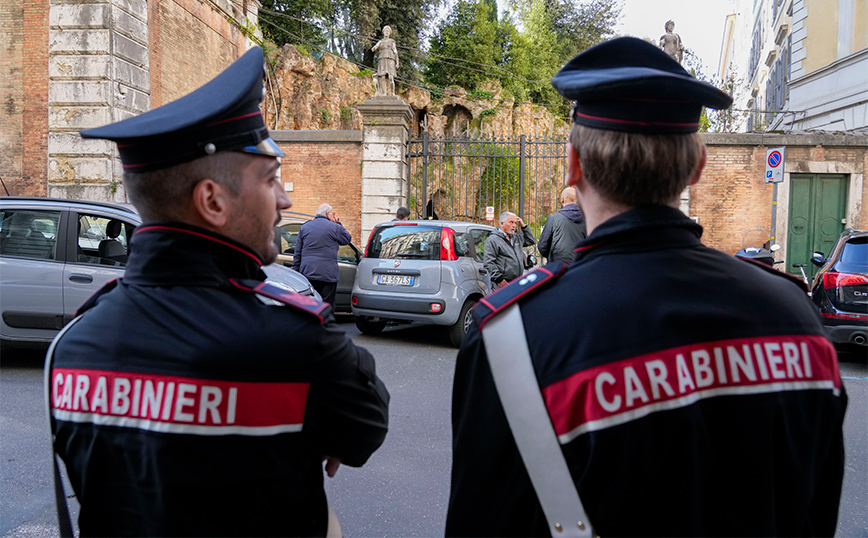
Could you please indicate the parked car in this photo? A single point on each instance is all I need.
(840, 288)
(55, 253)
(426, 271)
(348, 256)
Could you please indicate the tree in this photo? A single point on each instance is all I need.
(467, 34)
(350, 28)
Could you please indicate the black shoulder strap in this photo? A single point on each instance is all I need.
(306, 304)
(491, 305)
(792, 278)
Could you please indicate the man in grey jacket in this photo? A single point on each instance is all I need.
(504, 254)
(563, 230)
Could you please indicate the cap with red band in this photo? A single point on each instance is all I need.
(222, 115)
(629, 85)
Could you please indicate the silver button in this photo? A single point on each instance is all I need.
(210, 148)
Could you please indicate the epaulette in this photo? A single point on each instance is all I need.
(490, 305)
(792, 278)
(110, 285)
(283, 296)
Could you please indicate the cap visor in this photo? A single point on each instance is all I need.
(267, 147)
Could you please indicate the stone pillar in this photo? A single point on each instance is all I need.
(98, 74)
(384, 169)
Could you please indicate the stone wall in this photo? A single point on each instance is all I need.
(68, 65)
(324, 166)
(310, 94)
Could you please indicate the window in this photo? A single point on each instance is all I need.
(103, 240)
(288, 236)
(405, 242)
(29, 233)
(479, 237)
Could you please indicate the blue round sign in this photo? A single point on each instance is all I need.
(774, 159)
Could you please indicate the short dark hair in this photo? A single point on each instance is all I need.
(634, 169)
(163, 194)
(402, 213)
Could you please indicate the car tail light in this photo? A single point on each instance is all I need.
(435, 307)
(832, 280)
(840, 315)
(368, 244)
(447, 245)
(405, 224)
(355, 301)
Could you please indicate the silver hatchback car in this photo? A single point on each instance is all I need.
(427, 271)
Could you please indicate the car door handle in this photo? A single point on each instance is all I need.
(78, 277)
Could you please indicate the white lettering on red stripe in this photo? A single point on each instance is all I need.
(177, 404)
(631, 388)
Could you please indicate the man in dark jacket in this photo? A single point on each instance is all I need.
(191, 397)
(685, 392)
(504, 256)
(563, 230)
(316, 251)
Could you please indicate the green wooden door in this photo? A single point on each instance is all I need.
(817, 210)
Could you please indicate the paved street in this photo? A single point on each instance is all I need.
(403, 491)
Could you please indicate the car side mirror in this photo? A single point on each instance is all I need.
(818, 258)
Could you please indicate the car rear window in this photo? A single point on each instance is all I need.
(405, 242)
(856, 252)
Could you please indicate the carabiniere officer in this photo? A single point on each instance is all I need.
(191, 398)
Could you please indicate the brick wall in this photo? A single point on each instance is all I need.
(24, 97)
(324, 166)
(194, 42)
(735, 206)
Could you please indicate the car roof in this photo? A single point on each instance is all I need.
(57, 202)
(431, 222)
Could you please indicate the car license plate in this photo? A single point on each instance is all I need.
(395, 280)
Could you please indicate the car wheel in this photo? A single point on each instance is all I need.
(369, 326)
(460, 327)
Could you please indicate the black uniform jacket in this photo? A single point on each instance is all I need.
(694, 394)
(187, 404)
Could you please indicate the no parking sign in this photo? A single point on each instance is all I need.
(775, 164)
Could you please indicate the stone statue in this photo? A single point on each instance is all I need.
(387, 66)
(670, 42)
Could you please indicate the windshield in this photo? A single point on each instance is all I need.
(405, 242)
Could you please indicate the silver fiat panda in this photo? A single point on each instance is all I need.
(425, 271)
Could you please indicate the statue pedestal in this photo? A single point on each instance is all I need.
(385, 135)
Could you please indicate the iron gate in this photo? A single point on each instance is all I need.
(458, 179)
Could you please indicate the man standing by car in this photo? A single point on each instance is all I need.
(316, 251)
(211, 410)
(682, 391)
(504, 257)
(563, 230)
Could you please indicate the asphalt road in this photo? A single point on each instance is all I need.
(404, 488)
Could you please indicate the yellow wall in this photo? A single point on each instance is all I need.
(860, 40)
(821, 41)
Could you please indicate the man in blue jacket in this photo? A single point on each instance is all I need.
(563, 230)
(316, 251)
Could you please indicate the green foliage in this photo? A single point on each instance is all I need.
(362, 73)
(346, 114)
(473, 45)
(488, 112)
(484, 94)
(500, 183)
(325, 116)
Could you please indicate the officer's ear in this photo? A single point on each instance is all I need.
(698, 174)
(574, 167)
(212, 202)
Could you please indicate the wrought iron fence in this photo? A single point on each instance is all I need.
(462, 178)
